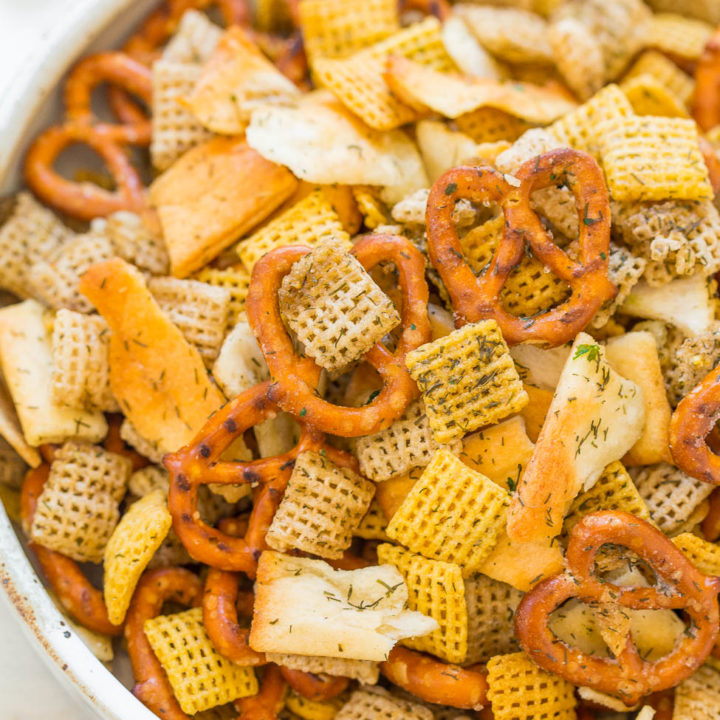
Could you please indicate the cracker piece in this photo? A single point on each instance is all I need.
(81, 368)
(467, 379)
(13, 467)
(691, 362)
(698, 697)
(194, 40)
(624, 271)
(435, 589)
(334, 307)
(358, 82)
(704, 555)
(638, 167)
(140, 532)
(452, 513)
(77, 510)
(135, 242)
(670, 495)
(322, 507)
(308, 222)
(200, 311)
(365, 671)
(649, 96)
(489, 125)
(665, 71)
(519, 690)
(380, 705)
(373, 526)
(236, 280)
(679, 36)
(11, 429)
(200, 677)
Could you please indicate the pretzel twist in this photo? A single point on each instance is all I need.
(295, 379)
(313, 686)
(706, 98)
(268, 702)
(478, 298)
(711, 524)
(80, 599)
(628, 676)
(155, 588)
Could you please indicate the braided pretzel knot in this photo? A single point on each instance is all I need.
(199, 463)
(82, 601)
(627, 677)
(706, 98)
(478, 298)
(295, 378)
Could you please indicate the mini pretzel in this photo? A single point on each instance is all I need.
(295, 378)
(711, 524)
(478, 298)
(80, 199)
(318, 687)
(267, 703)
(691, 423)
(199, 463)
(435, 681)
(628, 676)
(706, 99)
(155, 588)
(115, 444)
(82, 601)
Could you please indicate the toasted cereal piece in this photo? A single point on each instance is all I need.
(411, 210)
(147, 480)
(131, 546)
(452, 513)
(56, 281)
(366, 671)
(665, 71)
(638, 168)
(331, 30)
(649, 96)
(624, 271)
(704, 555)
(31, 233)
(435, 589)
(200, 310)
(174, 128)
(135, 242)
(467, 379)
(531, 289)
(200, 677)
(579, 128)
(77, 510)
(194, 40)
(273, 15)
(305, 709)
(679, 36)
(373, 526)
(406, 444)
(308, 222)
(81, 369)
(322, 507)
(240, 364)
(529, 145)
(234, 279)
(357, 81)
(692, 361)
(698, 697)
(145, 447)
(707, 10)
(12, 466)
(670, 495)
(334, 307)
(378, 704)
(372, 208)
(488, 125)
(491, 612)
(519, 690)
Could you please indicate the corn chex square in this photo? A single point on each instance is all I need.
(305, 709)
(373, 526)
(531, 289)
(519, 690)
(704, 555)
(665, 71)
(334, 307)
(468, 379)
(653, 158)
(452, 513)
(679, 36)
(321, 509)
(366, 671)
(698, 697)
(77, 510)
(133, 241)
(489, 125)
(648, 96)
(307, 222)
(200, 677)
(436, 589)
(236, 280)
(378, 704)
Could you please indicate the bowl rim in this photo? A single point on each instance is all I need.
(66, 655)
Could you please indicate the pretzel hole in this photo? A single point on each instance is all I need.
(80, 163)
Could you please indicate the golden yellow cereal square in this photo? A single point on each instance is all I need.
(664, 71)
(679, 36)
(236, 280)
(704, 555)
(648, 96)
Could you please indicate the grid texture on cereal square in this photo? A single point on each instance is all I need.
(624, 271)
(200, 677)
(491, 617)
(31, 233)
(665, 71)
(519, 690)
(321, 509)
(307, 222)
(698, 697)
(236, 280)
(372, 209)
(468, 379)
(435, 588)
(670, 495)
(678, 35)
(691, 362)
(489, 125)
(653, 158)
(357, 81)
(81, 370)
(133, 241)
(453, 513)
(649, 96)
(199, 310)
(174, 129)
(334, 307)
(373, 526)
(55, 281)
(704, 555)
(531, 289)
(77, 510)
(366, 671)
(406, 444)
(378, 704)
(195, 39)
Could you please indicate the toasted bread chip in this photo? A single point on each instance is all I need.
(234, 279)
(77, 510)
(133, 240)
(489, 125)
(442, 148)
(435, 589)
(665, 71)
(465, 50)
(704, 555)
(194, 40)
(535, 412)
(468, 380)
(373, 526)
(200, 678)
(10, 428)
(378, 704)
(624, 271)
(158, 378)
(215, 193)
(679, 36)
(240, 364)
(698, 697)
(366, 671)
(649, 96)
(135, 539)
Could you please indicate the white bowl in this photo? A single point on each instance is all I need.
(31, 104)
